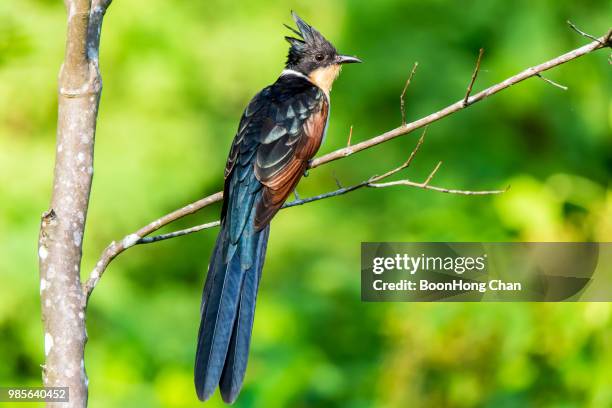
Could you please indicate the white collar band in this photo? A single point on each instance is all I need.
(293, 72)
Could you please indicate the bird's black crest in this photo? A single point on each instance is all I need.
(308, 43)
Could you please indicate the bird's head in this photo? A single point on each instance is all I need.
(312, 55)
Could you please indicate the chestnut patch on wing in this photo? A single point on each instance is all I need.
(279, 185)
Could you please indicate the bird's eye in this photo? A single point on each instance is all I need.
(319, 57)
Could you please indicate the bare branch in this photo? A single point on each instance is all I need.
(116, 248)
(341, 191)
(371, 182)
(402, 103)
(457, 106)
(553, 83)
(474, 75)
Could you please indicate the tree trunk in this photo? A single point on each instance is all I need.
(61, 234)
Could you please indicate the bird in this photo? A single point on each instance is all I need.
(279, 132)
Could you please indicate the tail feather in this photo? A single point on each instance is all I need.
(228, 307)
(238, 353)
(212, 268)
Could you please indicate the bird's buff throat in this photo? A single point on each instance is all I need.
(324, 77)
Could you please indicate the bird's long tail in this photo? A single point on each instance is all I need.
(227, 311)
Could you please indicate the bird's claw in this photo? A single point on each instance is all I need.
(307, 168)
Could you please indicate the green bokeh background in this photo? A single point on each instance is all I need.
(177, 75)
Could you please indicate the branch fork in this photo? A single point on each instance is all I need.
(141, 236)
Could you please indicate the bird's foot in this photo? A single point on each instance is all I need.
(307, 168)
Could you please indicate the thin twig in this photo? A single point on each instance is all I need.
(115, 249)
(161, 237)
(587, 35)
(406, 164)
(474, 75)
(348, 143)
(338, 184)
(402, 103)
(418, 146)
(432, 174)
(553, 83)
(438, 189)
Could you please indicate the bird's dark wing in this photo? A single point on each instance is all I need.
(280, 130)
(291, 134)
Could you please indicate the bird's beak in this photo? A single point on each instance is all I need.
(347, 59)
